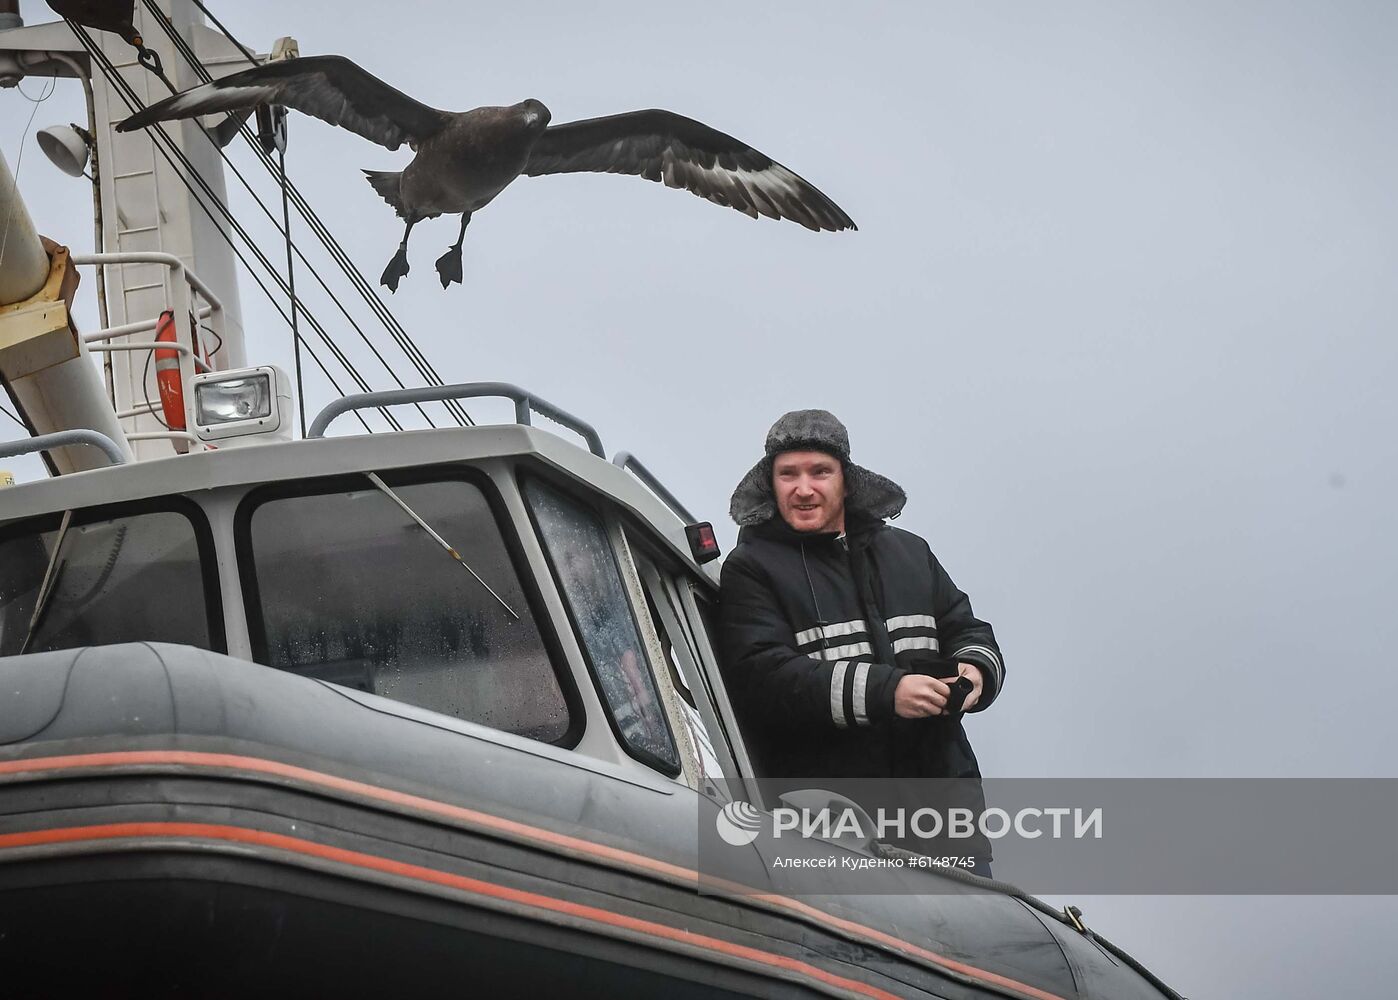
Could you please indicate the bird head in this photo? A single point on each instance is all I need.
(535, 113)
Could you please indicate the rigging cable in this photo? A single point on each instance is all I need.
(291, 283)
(331, 244)
(278, 175)
(328, 240)
(166, 149)
(288, 286)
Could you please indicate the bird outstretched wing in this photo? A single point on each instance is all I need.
(663, 146)
(331, 88)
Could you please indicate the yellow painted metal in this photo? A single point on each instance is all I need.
(37, 332)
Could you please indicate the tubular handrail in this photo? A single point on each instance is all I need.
(59, 439)
(164, 436)
(154, 345)
(153, 257)
(180, 284)
(140, 409)
(140, 326)
(524, 401)
(629, 462)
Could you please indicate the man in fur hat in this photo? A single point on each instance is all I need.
(843, 637)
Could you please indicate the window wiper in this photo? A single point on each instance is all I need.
(46, 587)
(450, 550)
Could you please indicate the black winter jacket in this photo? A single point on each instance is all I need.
(818, 629)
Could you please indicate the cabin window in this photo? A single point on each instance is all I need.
(343, 585)
(585, 566)
(119, 576)
(681, 659)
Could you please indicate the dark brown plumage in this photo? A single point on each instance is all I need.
(465, 159)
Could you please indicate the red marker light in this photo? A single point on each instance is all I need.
(702, 542)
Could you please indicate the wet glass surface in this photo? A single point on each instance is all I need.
(582, 557)
(130, 578)
(353, 591)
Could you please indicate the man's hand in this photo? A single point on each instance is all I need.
(973, 672)
(917, 696)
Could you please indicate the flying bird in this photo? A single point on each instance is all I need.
(465, 158)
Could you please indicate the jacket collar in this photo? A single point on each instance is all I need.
(858, 527)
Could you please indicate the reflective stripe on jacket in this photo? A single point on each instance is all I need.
(818, 629)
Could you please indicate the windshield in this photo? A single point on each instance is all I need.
(132, 577)
(348, 587)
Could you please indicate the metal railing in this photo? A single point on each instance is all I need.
(181, 286)
(525, 404)
(632, 464)
(58, 439)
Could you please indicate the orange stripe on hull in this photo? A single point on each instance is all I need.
(460, 883)
(525, 831)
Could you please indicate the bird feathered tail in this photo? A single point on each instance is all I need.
(386, 184)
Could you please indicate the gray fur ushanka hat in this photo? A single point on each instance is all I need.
(812, 430)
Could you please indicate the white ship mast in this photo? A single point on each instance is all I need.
(144, 208)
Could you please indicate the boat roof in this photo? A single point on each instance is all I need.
(320, 457)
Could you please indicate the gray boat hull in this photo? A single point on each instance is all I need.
(174, 821)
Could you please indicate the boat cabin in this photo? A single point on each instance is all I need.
(489, 576)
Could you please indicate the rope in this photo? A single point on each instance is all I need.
(328, 240)
(280, 176)
(166, 149)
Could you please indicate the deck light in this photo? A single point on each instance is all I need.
(67, 147)
(244, 402)
(702, 542)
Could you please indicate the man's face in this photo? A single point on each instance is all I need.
(810, 490)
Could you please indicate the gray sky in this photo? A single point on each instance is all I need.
(1119, 317)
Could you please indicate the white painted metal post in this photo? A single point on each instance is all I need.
(24, 266)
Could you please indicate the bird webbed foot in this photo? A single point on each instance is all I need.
(449, 266)
(396, 269)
